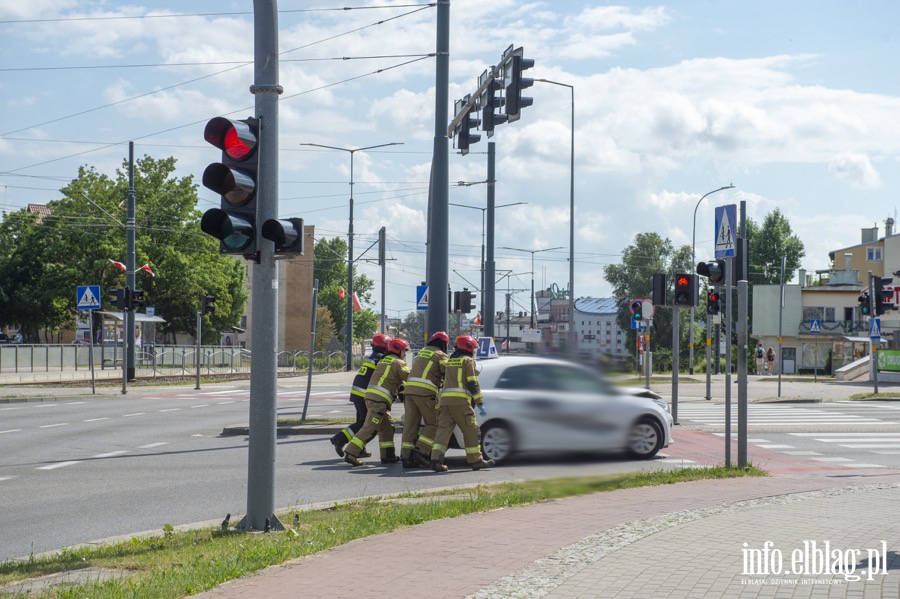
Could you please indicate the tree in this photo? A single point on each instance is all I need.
(768, 244)
(330, 269)
(324, 329)
(649, 254)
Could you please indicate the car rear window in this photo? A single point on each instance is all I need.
(550, 377)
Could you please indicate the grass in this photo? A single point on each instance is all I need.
(890, 395)
(295, 421)
(179, 564)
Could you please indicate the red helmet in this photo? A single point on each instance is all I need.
(466, 343)
(381, 340)
(397, 346)
(440, 336)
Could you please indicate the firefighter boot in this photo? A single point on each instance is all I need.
(420, 459)
(409, 463)
(352, 459)
(390, 456)
(482, 463)
(438, 466)
(338, 443)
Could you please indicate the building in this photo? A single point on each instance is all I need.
(597, 335)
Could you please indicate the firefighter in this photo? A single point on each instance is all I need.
(358, 393)
(426, 375)
(385, 385)
(459, 394)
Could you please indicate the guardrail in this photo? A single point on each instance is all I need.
(157, 361)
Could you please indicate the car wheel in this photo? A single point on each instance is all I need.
(645, 439)
(497, 442)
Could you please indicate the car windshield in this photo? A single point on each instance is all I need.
(551, 377)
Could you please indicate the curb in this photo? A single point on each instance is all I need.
(299, 429)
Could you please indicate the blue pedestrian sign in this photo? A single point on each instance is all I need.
(874, 329)
(637, 324)
(87, 297)
(421, 297)
(815, 326)
(726, 219)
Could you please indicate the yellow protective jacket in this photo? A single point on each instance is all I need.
(362, 378)
(426, 375)
(388, 378)
(461, 382)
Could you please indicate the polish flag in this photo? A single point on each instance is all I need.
(341, 293)
(146, 268)
(356, 304)
(117, 264)
(478, 318)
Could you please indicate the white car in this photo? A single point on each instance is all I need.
(536, 404)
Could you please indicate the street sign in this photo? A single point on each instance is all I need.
(815, 326)
(87, 297)
(874, 329)
(648, 308)
(637, 325)
(421, 297)
(486, 348)
(726, 218)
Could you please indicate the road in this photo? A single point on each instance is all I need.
(78, 469)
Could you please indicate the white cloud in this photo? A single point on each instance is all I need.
(855, 168)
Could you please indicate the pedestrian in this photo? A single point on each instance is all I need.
(760, 358)
(384, 386)
(358, 393)
(770, 360)
(426, 375)
(460, 393)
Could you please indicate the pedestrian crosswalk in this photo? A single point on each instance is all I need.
(847, 440)
(774, 415)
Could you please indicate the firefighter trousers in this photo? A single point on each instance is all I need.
(418, 408)
(378, 422)
(463, 416)
(346, 434)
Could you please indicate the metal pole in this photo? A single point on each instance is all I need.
(129, 263)
(489, 269)
(91, 350)
(873, 352)
(729, 266)
(264, 316)
(571, 336)
(742, 373)
(348, 341)
(312, 346)
(199, 344)
(708, 358)
(780, 319)
(382, 258)
(675, 351)
(438, 266)
(124, 347)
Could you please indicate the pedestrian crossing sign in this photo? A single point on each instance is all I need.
(421, 297)
(875, 328)
(726, 217)
(87, 297)
(815, 326)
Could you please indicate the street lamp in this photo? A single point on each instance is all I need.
(694, 265)
(571, 336)
(532, 252)
(349, 340)
(483, 210)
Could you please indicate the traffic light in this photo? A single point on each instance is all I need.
(712, 302)
(864, 306)
(715, 271)
(137, 299)
(466, 301)
(658, 287)
(637, 309)
(685, 290)
(515, 102)
(469, 121)
(235, 180)
(118, 298)
(286, 233)
(490, 101)
(883, 296)
(207, 305)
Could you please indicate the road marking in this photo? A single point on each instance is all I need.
(776, 446)
(52, 425)
(152, 445)
(870, 445)
(7, 409)
(96, 419)
(12, 430)
(223, 403)
(45, 405)
(57, 465)
(171, 410)
(197, 435)
(885, 434)
(203, 405)
(807, 453)
(75, 403)
(135, 414)
(887, 452)
(110, 454)
(833, 459)
(3, 478)
(864, 465)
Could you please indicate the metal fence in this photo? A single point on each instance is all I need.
(156, 361)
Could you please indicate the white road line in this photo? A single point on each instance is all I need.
(135, 414)
(197, 435)
(7, 409)
(887, 452)
(807, 453)
(864, 465)
(96, 419)
(879, 434)
(52, 425)
(833, 459)
(152, 445)
(75, 403)
(58, 465)
(45, 405)
(203, 405)
(871, 445)
(224, 403)
(776, 446)
(849, 439)
(110, 454)
(12, 430)
(3, 478)
(171, 410)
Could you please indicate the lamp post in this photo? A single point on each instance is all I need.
(348, 343)
(532, 252)
(483, 211)
(571, 333)
(694, 265)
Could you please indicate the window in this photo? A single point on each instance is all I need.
(873, 254)
(818, 313)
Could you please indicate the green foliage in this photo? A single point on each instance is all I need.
(330, 269)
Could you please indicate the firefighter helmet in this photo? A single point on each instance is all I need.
(466, 343)
(381, 341)
(440, 336)
(397, 346)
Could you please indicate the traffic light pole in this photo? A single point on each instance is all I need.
(263, 374)
(873, 313)
(199, 343)
(729, 266)
(675, 351)
(488, 290)
(128, 333)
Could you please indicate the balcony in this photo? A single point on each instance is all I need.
(839, 328)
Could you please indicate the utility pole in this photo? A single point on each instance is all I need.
(128, 333)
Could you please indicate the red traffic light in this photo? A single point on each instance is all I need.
(714, 297)
(235, 138)
(682, 281)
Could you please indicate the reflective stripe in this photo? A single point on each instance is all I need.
(419, 382)
(454, 390)
(358, 391)
(348, 433)
(477, 397)
(381, 392)
(358, 442)
(386, 445)
(426, 441)
(471, 450)
(408, 445)
(440, 448)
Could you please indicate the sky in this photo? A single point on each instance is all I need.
(796, 104)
